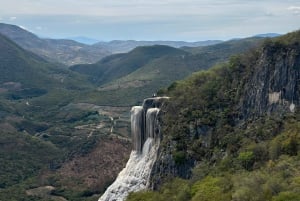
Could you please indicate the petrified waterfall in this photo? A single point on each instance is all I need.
(145, 131)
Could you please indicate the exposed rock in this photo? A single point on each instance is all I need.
(155, 102)
(273, 85)
(165, 168)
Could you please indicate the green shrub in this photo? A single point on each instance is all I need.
(179, 157)
(246, 159)
(209, 189)
(287, 196)
(175, 190)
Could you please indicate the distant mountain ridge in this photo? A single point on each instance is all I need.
(122, 46)
(83, 50)
(84, 40)
(71, 52)
(268, 35)
(141, 72)
(64, 51)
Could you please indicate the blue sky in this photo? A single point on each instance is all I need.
(189, 20)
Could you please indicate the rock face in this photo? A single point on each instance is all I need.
(273, 85)
(165, 168)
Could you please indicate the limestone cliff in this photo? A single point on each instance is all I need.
(273, 84)
(207, 110)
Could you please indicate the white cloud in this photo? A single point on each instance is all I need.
(12, 18)
(156, 19)
(294, 9)
(121, 7)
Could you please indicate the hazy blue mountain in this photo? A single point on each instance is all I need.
(79, 50)
(227, 48)
(85, 40)
(122, 46)
(268, 35)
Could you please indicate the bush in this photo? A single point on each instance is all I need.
(209, 189)
(179, 157)
(246, 159)
(176, 190)
(287, 196)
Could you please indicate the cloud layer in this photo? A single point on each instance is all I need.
(155, 19)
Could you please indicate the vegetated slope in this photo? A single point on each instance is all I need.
(119, 65)
(226, 48)
(155, 73)
(63, 51)
(122, 46)
(43, 129)
(26, 69)
(233, 131)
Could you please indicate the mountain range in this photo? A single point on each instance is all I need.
(121, 46)
(86, 51)
(144, 70)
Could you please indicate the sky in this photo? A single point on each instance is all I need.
(187, 20)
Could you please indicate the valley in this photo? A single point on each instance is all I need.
(65, 116)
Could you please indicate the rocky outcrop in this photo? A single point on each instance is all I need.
(273, 84)
(166, 168)
(165, 165)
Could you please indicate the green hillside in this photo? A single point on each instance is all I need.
(20, 66)
(226, 49)
(154, 72)
(227, 136)
(44, 129)
(119, 65)
(25, 75)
